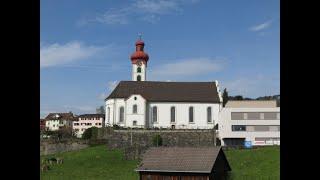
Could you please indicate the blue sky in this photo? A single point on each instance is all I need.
(85, 47)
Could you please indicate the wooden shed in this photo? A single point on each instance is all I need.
(184, 163)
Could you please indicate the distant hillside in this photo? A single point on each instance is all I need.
(274, 97)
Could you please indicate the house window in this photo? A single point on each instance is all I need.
(191, 114)
(138, 78)
(154, 114)
(134, 109)
(173, 114)
(238, 128)
(134, 123)
(121, 114)
(245, 115)
(209, 115)
(139, 69)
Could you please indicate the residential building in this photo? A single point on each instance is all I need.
(155, 104)
(42, 124)
(86, 121)
(255, 121)
(55, 121)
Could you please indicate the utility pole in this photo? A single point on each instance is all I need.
(131, 136)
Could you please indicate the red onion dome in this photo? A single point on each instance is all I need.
(139, 42)
(139, 54)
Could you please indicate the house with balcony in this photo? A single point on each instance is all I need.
(56, 121)
(86, 121)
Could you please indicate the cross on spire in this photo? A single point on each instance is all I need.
(140, 35)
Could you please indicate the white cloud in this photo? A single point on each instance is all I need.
(58, 54)
(262, 26)
(188, 67)
(112, 85)
(114, 16)
(76, 109)
(145, 10)
(157, 6)
(253, 87)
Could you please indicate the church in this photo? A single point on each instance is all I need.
(155, 104)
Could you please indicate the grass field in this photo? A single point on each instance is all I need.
(99, 163)
(256, 164)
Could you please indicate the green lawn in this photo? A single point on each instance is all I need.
(99, 163)
(92, 163)
(255, 164)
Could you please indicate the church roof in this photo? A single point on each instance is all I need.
(168, 91)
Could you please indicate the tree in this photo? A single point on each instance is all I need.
(238, 97)
(90, 133)
(100, 110)
(225, 97)
(157, 140)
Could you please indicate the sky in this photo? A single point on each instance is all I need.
(85, 47)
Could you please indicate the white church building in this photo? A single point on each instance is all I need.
(155, 104)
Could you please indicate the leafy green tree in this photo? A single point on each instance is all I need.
(90, 133)
(225, 97)
(157, 140)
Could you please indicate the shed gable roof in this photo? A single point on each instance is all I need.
(168, 91)
(180, 159)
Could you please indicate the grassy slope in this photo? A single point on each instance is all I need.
(92, 163)
(262, 163)
(99, 163)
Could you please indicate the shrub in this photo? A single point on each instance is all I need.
(116, 127)
(90, 133)
(157, 140)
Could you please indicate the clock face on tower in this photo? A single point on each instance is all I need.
(139, 62)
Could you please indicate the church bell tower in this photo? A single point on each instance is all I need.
(139, 61)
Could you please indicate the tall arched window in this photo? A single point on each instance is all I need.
(134, 109)
(209, 115)
(191, 114)
(139, 69)
(138, 78)
(121, 114)
(108, 114)
(154, 114)
(173, 114)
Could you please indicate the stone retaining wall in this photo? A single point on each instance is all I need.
(52, 147)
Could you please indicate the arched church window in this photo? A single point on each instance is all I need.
(121, 114)
(138, 78)
(108, 114)
(173, 114)
(135, 109)
(209, 115)
(154, 114)
(191, 114)
(139, 69)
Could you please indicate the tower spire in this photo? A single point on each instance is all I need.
(140, 35)
(139, 61)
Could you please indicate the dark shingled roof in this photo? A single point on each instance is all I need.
(91, 116)
(63, 116)
(168, 91)
(181, 159)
